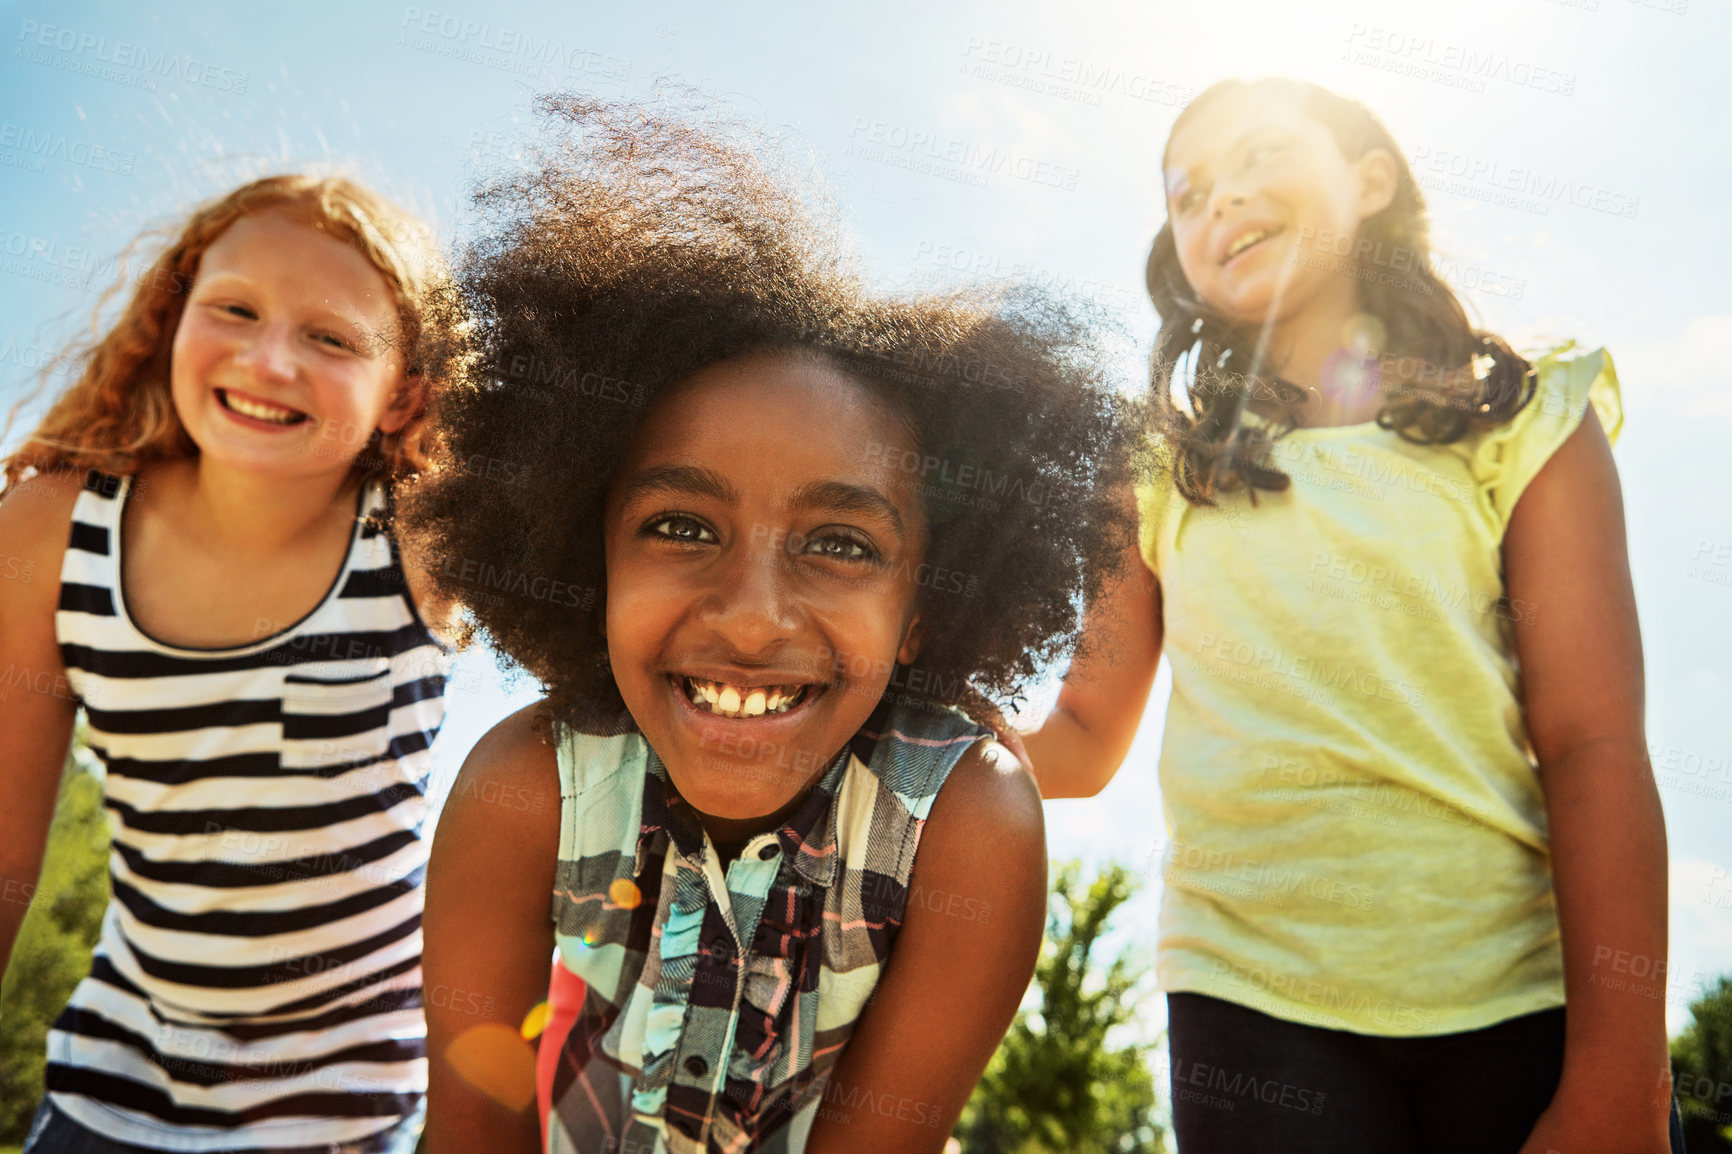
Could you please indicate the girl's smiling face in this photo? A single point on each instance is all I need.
(1257, 192)
(284, 360)
(763, 553)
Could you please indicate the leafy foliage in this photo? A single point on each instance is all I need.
(1057, 1084)
(52, 952)
(1702, 1072)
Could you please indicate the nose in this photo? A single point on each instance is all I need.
(751, 606)
(1223, 197)
(269, 355)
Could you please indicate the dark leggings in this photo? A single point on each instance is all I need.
(1244, 1083)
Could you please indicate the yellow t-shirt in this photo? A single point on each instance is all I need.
(1356, 830)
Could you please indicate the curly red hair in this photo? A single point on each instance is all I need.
(119, 413)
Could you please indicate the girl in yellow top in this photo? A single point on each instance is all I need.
(1411, 825)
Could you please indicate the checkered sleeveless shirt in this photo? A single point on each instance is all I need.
(718, 999)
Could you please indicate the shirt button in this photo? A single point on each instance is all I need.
(769, 851)
(696, 1066)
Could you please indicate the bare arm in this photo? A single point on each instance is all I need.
(489, 940)
(1580, 651)
(36, 702)
(1084, 740)
(958, 971)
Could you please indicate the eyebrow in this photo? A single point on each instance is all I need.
(841, 497)
(683, 480)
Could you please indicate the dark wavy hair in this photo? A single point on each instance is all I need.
(641, 244)
(1467, 379)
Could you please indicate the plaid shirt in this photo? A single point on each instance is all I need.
(718, 999)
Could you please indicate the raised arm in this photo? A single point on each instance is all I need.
(36, 703)
(958, 971)
(489, 940)
(1082, 743)
(1581, 661)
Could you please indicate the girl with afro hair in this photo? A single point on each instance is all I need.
(777, 549)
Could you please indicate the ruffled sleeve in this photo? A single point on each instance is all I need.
(1155, 493)
(1507, 459)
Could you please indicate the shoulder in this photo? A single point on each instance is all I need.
(37, 510)
(1569, 384)
(520, 749)
(979, 881)
(988, 798)
(510, 780)
(35, 523)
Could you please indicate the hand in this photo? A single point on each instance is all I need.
(1583, 1124)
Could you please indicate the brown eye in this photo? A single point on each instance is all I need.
(839, 547)
(685, 530)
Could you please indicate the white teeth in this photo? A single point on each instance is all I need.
(275, 414)
(1246, 242)
(739, 701)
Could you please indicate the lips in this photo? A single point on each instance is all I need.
(1246, 239)
(258, 409)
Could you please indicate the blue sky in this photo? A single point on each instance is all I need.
(1573, 154)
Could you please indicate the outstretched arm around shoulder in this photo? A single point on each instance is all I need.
(959, 968)
(489, 939)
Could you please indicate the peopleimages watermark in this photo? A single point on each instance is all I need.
(1521, 187)
(1711, 562)
(22, 146)
(76, 267)
(1064, 77)
(938, 154)
(505, 49)
(1451, 65)
(964, 481)
(1352, 255)
(1193, 866)
(1320, 672)
(1328, 999)
(1240, 1084)
(941, 258)
(122, 61)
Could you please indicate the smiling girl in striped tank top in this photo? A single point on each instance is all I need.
(262, 684)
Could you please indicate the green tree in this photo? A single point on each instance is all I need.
(55, 942)
(1702, 1072)
(1058, 1084)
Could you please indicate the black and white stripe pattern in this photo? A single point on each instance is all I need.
(258, 979)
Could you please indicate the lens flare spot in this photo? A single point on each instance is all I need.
(624, 894)
(496, 1061)
(535, 1021)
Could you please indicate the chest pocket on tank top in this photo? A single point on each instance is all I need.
(336, 714)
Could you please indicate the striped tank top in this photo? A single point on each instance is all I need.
(257, 983)
(717, 999)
